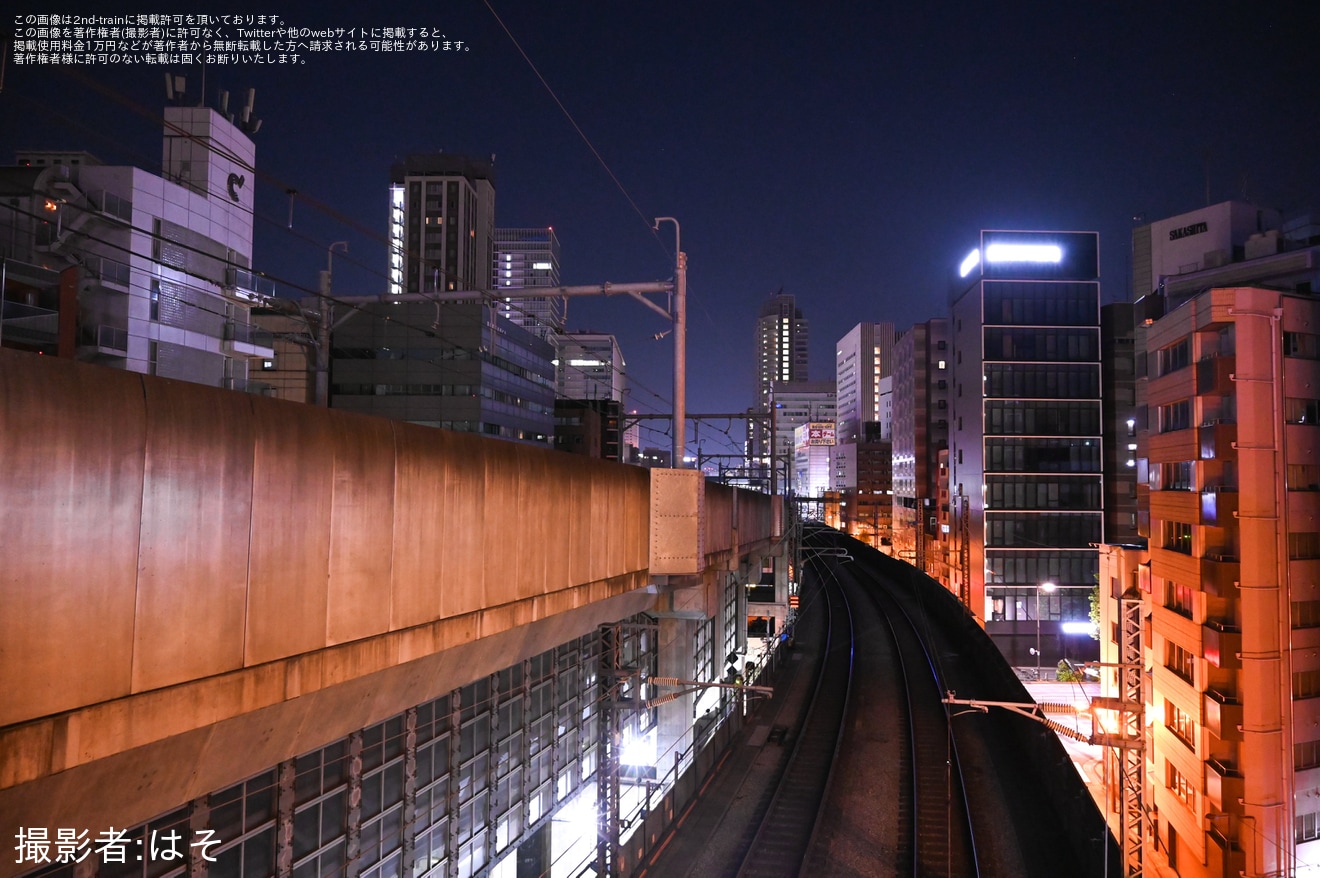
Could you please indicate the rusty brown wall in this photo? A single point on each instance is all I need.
(212, 582)
(156, 533)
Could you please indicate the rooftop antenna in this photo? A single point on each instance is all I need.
(175, 87)
(246, 122)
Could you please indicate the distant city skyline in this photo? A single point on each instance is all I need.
(842, 156)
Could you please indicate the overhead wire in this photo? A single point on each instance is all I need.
(578, 128)
(349, 221)
(307, 291)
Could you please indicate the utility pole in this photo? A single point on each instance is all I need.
(322, 352)
(679, 439)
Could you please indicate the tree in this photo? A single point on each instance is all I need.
(1095, 612)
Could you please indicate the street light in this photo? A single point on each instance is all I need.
(1045, 587)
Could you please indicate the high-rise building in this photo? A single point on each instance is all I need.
(163, 263)
(1219, 611)
(590, 366)
(794, 404)
(922, 369)
(1025, 438)
(526, 259)
(459, 367)
(862, 358)
(781, 355)
(441, 224)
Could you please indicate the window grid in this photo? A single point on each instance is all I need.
(1181, 662)
(1178, 722)
(469, 805)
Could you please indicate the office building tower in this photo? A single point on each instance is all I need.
(162, 281)
(1025, 439)
(459, 367)
(781, 355)
(441, 224)
(590, 366)
(524, 260)
(922, 368)
(862, 358)
(794, 404)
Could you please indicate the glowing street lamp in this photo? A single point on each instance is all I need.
(1046, 588)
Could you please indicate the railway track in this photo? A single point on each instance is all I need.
(942, 840)
(784, 837)
(872, 782)
(928, 830)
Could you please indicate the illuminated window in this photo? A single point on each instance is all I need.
(1182, 725)
(1178, 598)
(1181, 786)
(1178, 537)
(1181, 662)
(1302, 411)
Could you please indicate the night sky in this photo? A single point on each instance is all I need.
(846, 154)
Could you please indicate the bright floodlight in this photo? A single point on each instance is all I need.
(638, 749)
(1079, 628)
(1023, 253)
(973, 259)
(1048, 586)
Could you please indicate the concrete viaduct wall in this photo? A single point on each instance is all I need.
(196, 583)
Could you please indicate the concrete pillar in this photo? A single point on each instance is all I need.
(675, 659)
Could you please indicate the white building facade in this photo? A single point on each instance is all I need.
(166, 282)
(589, 366)
(525, 259)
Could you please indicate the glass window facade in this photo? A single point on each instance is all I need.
(1041, 458)
(446, 788)
(1031, 417)
(1037, 303)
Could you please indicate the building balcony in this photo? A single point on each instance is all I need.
(1219, 506)
(1171, 564)
(107, 340)
(107, 273)
(1221, 643)
(1217, 438)
(246, 340)
(1223, 715)
(1175, 506)
(1223, 786)
(1220, 574)
(25, 324)
(1224, 856)
(111, 205)
(1174, 445)
(1215, 374)
(247, 285)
